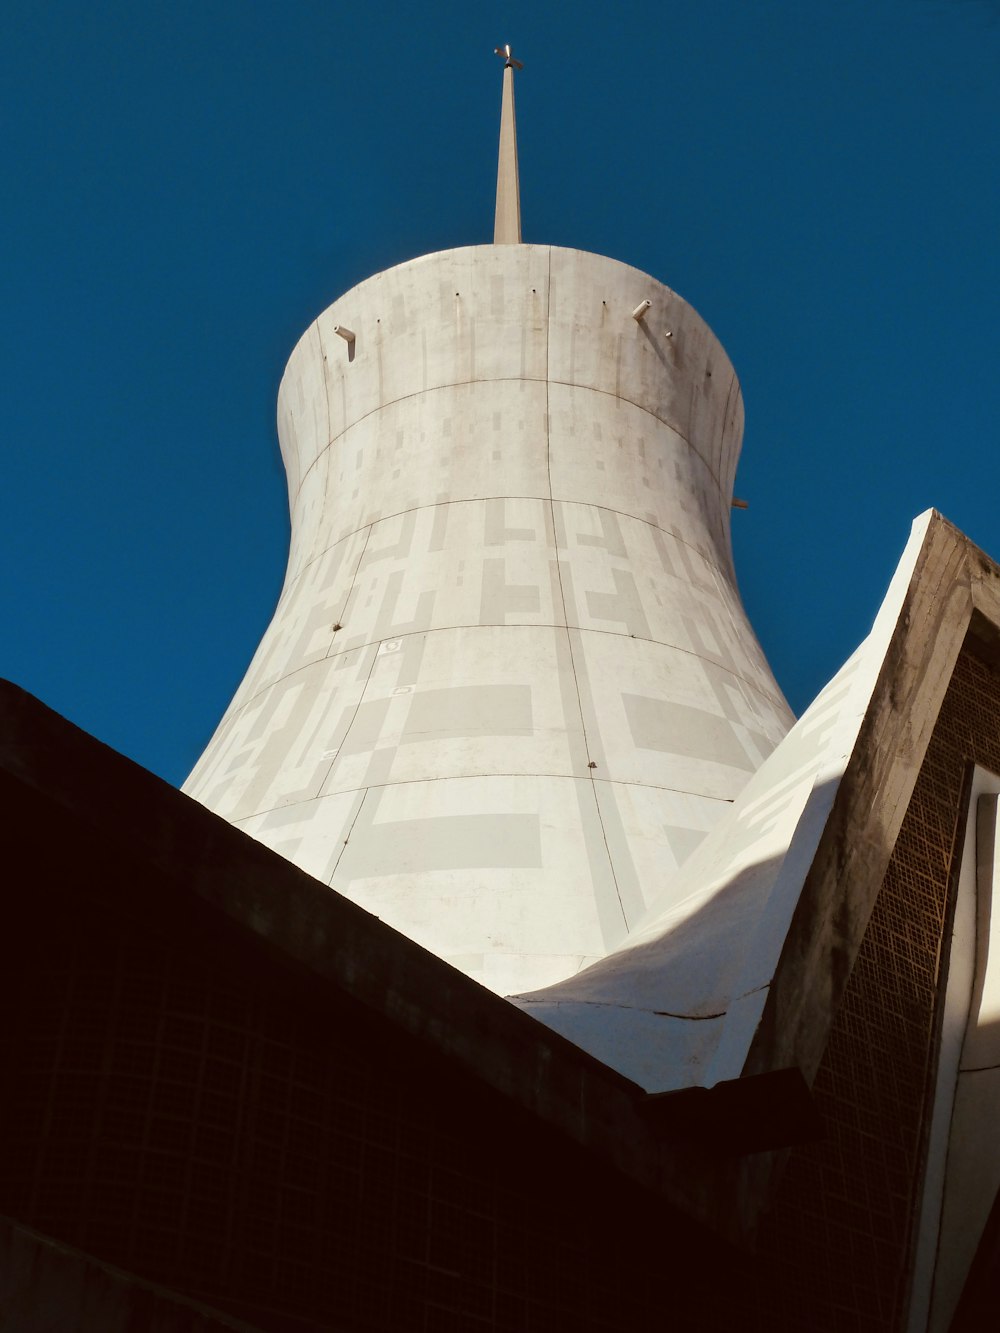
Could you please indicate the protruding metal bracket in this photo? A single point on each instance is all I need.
(349, 337)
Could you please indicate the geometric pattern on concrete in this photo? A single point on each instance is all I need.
(509, 683)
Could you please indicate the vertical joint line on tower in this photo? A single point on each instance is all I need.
(562, 591)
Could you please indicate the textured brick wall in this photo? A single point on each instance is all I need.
(838, 1246)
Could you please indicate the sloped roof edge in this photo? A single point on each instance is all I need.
(251, 893)
(740, 968)
(954, 590)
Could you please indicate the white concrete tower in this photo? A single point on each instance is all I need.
(509, 683)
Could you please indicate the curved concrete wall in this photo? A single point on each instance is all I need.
(509, 683)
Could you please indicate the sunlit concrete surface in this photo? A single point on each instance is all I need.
(678, 1003)
(509, 685)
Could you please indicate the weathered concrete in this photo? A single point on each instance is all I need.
(509, 684)
(740, 965)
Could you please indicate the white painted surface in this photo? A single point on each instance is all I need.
(509, 685)
(677, 1003)
(962, 1175)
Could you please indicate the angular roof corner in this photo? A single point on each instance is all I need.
(739, 967)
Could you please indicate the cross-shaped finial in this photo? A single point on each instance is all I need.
(508, 60)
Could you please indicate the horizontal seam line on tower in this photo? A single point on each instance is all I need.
(481, 499)
(475, 777)
(446, 629)
(509, 379)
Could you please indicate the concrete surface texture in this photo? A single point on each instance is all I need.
(678, 1003)
(509, 685)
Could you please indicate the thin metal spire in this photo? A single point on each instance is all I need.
(507, 227)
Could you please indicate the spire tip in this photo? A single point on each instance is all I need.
(507, 226)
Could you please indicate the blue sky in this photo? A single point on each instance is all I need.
(188, 185)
